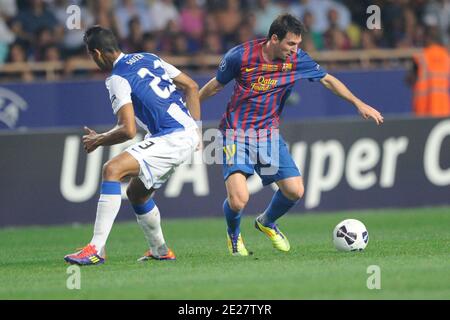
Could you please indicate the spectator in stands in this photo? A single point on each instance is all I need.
(162, 12)
(410, 23)
(430, 78)
(192, 19)
(311, 36)
(44, 38)
(358, 10)
(328, 23)
(72, 43)
(103, 11)
(393, 17)
(307, 44)
(380, 39)
(437, 12)
(265, 14)
(180, 44)
(368, 40)
(312, 41)
(8, 8)
(401, 22)
(319, 9)
(29, 21)
(166, 37)
(211, 22)
(213, 44)
(133, 43)
(51, 53)
(419, 36)
(335, 38)
(229, 17)
(245, 32)
(149, 42)
(129, 9)
(7, 37)
(17, 54)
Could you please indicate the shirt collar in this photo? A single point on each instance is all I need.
(118, 58)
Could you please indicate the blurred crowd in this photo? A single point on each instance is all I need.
(36, 30)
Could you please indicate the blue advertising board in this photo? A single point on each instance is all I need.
(47, 178)
(79, 103)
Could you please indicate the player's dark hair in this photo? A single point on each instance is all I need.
(285, 23)
(97, 37)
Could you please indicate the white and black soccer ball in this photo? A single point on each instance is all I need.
(350, 235)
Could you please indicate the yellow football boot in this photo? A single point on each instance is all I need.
(236, 246)
(279, 240)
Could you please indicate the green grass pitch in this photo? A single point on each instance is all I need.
(411, 247)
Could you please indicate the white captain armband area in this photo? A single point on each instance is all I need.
(119, 92)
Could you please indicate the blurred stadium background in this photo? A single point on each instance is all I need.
(49, 90)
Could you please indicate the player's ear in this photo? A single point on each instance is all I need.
(274, 38)
(96, 53)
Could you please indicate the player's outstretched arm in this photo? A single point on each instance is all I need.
(210, 89)
(123, 131)
(190, 89)
(338, 88)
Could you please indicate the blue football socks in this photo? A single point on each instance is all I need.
(277, 208)
(233, 219)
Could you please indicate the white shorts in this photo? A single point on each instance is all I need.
(158, 157)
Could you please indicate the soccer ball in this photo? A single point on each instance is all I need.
(350, 235)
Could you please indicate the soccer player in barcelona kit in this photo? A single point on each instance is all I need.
(141, 89)
(265, 71)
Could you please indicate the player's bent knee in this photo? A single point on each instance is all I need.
(237, 202)
(301, 192)
(111, 172)
(237, 205)
(295, 194)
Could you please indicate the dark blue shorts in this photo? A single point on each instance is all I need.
(269, 158)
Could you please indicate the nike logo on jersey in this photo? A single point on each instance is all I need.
(249, 69)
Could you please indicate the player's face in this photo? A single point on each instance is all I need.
(288, 46)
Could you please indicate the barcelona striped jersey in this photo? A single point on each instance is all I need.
(261, 87)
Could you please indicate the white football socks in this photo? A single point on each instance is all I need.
(150, 223)
(107, 209)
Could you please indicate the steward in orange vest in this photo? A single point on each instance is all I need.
(431, 87)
